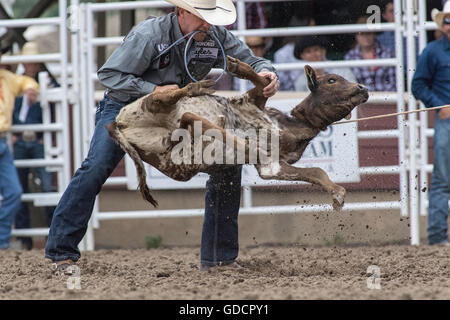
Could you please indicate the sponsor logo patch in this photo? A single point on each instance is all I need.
(161, 46)
(164, 60)
(205, 52)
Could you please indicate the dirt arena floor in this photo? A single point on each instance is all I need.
(270, 272)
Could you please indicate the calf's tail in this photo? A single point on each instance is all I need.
(120, 139)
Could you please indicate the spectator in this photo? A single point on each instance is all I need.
(258, 47)
(387, 38)
(256, 17)
(29, 145)
(313, 49)
(367, 47)
(8, 67)
(286, 55)
(10, 86)
(431, 85)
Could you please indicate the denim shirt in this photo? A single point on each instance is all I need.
(431, 81)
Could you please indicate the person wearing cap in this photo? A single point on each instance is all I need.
(11, 85)
(285, 54)
(378, 78)
(146, 62)
(313, 49)
(431, 85)
(29, 145)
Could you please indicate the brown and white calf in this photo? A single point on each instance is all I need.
(144, 129)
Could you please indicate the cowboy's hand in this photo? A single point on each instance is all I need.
(444, 113)
(160, 89)
(32, 96)
(274, 84)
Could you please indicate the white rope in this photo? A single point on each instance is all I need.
(391, 114)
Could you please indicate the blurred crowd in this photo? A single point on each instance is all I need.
(316, 48)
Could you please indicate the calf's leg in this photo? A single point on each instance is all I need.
(284, 171)
(163, 102)
(244, 71)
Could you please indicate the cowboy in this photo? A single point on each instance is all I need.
(29, 145)
(146, 62)
(11, 85)
(431, 85)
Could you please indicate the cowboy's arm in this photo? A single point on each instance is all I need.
(124, 68)
(423, 80)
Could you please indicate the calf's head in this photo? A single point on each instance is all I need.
(332, 98)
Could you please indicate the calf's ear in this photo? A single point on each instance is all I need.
(311, 77)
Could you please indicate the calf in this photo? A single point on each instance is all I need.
(145, 128)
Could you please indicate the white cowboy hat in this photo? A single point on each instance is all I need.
(438, 16)
(30, 48)
(215, 12)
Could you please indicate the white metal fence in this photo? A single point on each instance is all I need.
(57, 158)
(411, 135)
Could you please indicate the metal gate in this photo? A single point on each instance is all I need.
(411, 135)
(57, 158)
(406, 133)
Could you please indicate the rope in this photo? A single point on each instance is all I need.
(392, 114)
(221, 48)
(191, 36)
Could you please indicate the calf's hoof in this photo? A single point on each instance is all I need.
(203, 87)
(338, 199)
(232, 64)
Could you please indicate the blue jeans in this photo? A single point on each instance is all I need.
(220, 243)
(11, 192)
(440, 183)
(71, 216)
(31, 150)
